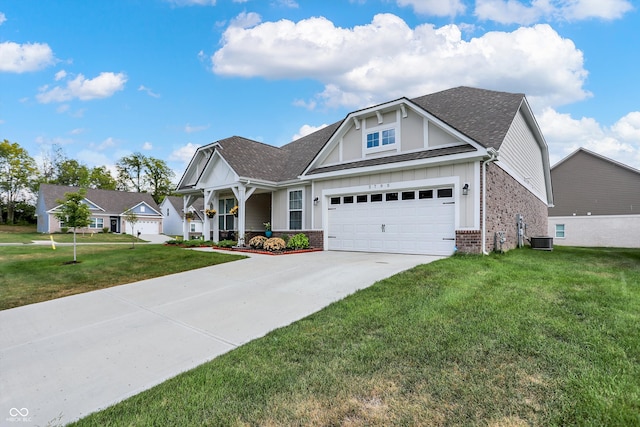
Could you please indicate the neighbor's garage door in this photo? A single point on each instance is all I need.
(144, 227)
(413, 222)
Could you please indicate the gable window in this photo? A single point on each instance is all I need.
(167, 211)
(380, 139)
(295, 209)
(560, 231)
(142, 209)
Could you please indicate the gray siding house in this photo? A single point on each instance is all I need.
(173, 217)
(107, 210)
(597, 202)
(430, 175)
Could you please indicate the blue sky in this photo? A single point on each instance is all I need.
(104, 79)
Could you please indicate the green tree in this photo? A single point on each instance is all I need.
(17, 173)
(130, 172)
(72, 173)
(74, 213)
(158, 177)
(145, 174)
(101, 178)
(132, 218)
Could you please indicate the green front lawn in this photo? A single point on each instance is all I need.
(30, 273)
(27, 234)
(525, 338)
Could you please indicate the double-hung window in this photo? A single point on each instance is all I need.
(226, 219)
(295, 210)
(96, 223)
(560, 231)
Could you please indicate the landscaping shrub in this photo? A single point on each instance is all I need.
(299, 241)
(64, 230)
(257, 242)
(227, 243)
(274, 244)
(106, 229)
(173, 242)
(285, 237)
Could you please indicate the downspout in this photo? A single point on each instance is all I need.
(493, 157)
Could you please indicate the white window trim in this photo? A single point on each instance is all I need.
(564, 231)
(379, 129)
(94, 223)
(289, 210)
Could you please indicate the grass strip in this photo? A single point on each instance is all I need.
(30, 274)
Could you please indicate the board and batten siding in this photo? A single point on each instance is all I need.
(413, 133)
(280, 207)
(521, 154)
(464, 172)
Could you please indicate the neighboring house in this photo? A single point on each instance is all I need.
(172, 208)
(107, 208)
(422, 176)
(597, 202)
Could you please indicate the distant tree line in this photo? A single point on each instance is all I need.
(21, 176)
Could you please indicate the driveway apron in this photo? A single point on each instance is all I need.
(61, 360)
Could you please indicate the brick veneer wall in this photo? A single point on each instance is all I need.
(469, 241)
(506, 198)
(316, 238)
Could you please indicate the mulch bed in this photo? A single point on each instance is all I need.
(263, 252)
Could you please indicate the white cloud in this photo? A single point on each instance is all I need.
(434, 7)
(246, 20)
(307, 130)
(191, 129)
(21, 58)
(406, 61)
(517, 12)
(77, 131)
(564, 135)
(103, 86)
(184, 153)
(60, 75)
(3, 18)
(148, 91)
(147, 146)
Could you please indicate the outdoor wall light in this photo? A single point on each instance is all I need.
(465, 189)
(315, 201)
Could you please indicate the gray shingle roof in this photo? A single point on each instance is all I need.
(483, 115)
(113, 202)
(177, 203)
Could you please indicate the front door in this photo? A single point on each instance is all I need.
(114, 224)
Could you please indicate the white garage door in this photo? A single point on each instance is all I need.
(144, 226)
(412, 221)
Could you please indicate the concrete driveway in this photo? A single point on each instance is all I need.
(63, 359)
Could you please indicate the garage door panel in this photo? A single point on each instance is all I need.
(421, 226)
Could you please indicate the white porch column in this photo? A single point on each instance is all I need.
(216, 224)
(185, 223)
(209, 195)
(242, 194)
